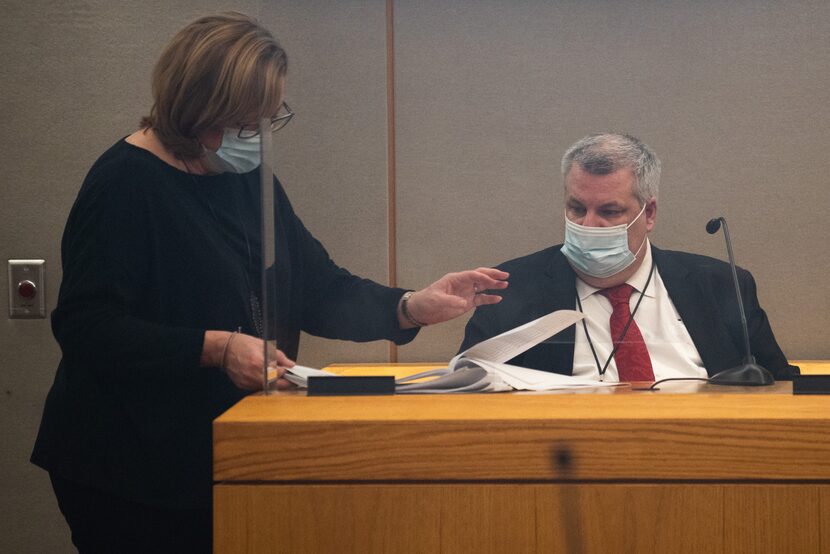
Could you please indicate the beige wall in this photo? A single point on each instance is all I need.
(732, 95)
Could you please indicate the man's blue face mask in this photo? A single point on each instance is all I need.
(599, 251)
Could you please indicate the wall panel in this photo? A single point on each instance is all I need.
(76, 78)
(332, 157)
(732, 96)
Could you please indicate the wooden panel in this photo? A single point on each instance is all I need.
(778, 519)
(824, 518)
(808, 367)
(646, 440)
(487, 518)
(396, 370)
(813, 367)
(326, 518)
(284, 438)
(629, 518)
(567, 519)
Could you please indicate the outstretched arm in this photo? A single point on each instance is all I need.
(452, 295)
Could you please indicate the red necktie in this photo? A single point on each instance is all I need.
(631, 357)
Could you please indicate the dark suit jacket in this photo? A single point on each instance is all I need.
(700, 287)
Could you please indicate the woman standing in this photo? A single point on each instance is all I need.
(158, 316)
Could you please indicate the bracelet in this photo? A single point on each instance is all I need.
(407, 295)
(225, 348)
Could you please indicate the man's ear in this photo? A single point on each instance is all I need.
(651, 214)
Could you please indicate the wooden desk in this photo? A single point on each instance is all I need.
(813, 367)
(725, 470)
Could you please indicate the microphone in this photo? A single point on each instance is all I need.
(749, 373)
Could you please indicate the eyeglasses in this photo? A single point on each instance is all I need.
(277, 122)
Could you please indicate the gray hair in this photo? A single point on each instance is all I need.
(604, 153)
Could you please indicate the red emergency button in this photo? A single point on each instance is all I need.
(27, 289)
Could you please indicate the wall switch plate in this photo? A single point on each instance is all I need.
(27, 294)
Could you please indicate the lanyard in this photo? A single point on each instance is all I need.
(602, 368)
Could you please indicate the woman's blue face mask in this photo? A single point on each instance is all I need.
(237, 155)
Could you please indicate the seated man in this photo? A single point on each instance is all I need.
(677, 312)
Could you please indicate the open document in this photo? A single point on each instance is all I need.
(482, 368)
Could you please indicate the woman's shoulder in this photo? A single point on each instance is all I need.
(124, 170)
(128, 162)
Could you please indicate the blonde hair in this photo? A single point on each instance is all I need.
(218, 71)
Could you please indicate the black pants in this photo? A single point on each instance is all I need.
(105, 523)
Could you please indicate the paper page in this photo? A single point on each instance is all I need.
(299, 374)
(467, 379)
(522, 378)
(510, 344)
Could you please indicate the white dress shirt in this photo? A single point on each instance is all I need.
(673, 354)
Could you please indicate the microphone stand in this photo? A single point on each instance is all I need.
(748, 373)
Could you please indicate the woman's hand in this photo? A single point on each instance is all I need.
(242, 357)
(453, 295)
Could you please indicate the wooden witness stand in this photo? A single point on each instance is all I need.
(725, 470)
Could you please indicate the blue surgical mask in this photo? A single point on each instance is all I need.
(599, 251)
(236, 155)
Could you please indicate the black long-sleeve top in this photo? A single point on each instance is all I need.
(152, 258)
